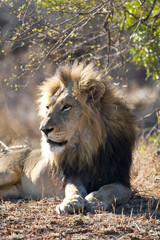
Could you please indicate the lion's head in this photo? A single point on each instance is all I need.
(70, 107)
(79, 112)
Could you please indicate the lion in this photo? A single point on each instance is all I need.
(88, 136)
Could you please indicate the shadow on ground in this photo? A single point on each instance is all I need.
(140, 205)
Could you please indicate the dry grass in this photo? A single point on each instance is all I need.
(19, 123)
(145, 173)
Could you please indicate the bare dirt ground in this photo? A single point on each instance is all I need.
(138, 219)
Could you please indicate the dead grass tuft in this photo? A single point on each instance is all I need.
(145, 171)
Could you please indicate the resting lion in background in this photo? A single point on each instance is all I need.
(88, 135)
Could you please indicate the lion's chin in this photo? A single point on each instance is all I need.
(54, 144)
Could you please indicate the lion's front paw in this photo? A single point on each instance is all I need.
(71, 205)
(94, 202)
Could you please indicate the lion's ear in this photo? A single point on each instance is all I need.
(96, 91)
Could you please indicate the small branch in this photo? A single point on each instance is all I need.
(146, 18)
(131, 14)
(148, 115)
(5, 148)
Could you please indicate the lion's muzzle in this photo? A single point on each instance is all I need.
(53, 140)
(46, 130)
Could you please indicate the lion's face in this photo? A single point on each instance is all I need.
(71, 111)
(62, 120)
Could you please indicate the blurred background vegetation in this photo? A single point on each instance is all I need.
(120, 37)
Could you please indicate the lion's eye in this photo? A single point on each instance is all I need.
(47, 107)
(66, 108)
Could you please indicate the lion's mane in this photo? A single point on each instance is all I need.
(103, 153)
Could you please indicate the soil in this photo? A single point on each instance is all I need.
(138, 219)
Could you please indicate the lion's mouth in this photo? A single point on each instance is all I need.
(59, 144)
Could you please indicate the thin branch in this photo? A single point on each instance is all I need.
(131, 14)
(146, 18)
(148, 115)
(4, 146)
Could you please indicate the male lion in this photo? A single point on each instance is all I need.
(88, 135)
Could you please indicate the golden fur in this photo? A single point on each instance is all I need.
(88, 135)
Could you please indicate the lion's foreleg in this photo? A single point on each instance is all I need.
(108, 195)
(74, 200)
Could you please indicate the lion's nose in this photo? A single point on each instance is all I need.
(46, 130)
